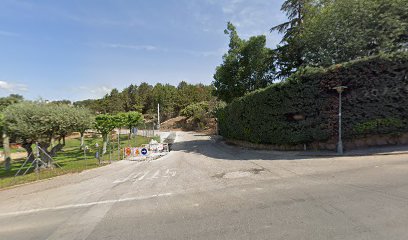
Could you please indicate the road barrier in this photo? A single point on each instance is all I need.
(145, 151)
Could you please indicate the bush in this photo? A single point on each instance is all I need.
(304, 108)
(197, 113)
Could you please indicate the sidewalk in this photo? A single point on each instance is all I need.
(379, 150)
(382, 150)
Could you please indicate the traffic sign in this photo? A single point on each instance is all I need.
(144, 151)
(137, 152)
(128, 152)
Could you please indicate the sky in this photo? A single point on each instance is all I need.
(81, 49)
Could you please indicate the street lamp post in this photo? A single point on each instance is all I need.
(340, 90)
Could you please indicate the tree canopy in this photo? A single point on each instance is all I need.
(326, 32)
(340, 31)
(145, 97)
(30, 122)
(247, 66)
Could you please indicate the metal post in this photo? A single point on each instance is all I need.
(158, 116)
(340, 144)
(98, 157)
(340, 90)
(86, 162)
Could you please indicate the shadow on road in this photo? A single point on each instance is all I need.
(218, 149)
(214, 148)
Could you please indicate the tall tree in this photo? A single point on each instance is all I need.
(344, 30)
(289, 54)
(104, 124)
(130, 96)
(83, 120)
(145, 97)
(247, 66)
(165, 95)
(113, 102)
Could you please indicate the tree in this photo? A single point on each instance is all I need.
(348, 29)
(130, 97)
(83, 120)
(247, 66)
(189, 93)
(104, 124)
(133, 119)
(95, 105)
(165, 95)
(145, 97)
(67, 102)
(36, 122)
(289, 54)
(11, 99)
(6, 144)
(113, 102)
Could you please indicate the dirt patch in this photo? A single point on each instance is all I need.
(239, 174)
(185, 124)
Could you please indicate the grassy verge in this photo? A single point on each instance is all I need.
(71, 159)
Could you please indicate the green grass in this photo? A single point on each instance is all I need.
(71, 159)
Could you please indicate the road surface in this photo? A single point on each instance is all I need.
(208, 190)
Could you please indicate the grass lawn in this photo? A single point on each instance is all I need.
(71, 159)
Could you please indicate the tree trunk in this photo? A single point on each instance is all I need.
(45, 154)
(52, 142)
(56, 149)
(6, 146)
(63, 140)
(130, 132)
(29, 150)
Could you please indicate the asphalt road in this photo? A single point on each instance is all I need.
(208, 190)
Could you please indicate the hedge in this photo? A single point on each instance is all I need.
(304, 108)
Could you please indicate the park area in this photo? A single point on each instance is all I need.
(72, 159)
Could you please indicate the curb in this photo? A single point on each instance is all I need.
(220, 139)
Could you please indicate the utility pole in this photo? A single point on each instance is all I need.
(340, 90)
(158, 116)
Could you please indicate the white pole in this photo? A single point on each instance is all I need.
(158, 116)
(340, 144)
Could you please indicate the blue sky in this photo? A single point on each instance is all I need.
(80, 49)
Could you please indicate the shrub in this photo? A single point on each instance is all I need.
(304, 108)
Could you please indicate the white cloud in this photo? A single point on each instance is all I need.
(217, 53)
(129, 46)
(94, 92)
(10, 87)
(102, 90)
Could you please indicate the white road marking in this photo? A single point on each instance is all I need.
(156, 174)
(137, 175)
(81, 205)
(124, 179)
(144, 175)
(167, 173)
(170, 173)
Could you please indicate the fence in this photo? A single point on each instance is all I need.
(71, 159)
